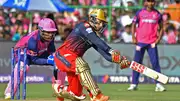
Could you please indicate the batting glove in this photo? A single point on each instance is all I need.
(124, 63)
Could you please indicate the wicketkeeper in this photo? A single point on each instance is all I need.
(40, 49)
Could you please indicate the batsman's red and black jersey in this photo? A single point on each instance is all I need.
(82, 38)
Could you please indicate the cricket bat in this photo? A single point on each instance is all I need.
(149, 72)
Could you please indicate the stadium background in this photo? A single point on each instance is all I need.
(15, 23)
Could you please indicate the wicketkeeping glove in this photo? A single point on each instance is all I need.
(50, 60)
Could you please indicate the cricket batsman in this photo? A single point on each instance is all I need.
(146, 36)
(68, 58)
(40, 49)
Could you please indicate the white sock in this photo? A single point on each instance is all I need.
(158, 84)
(134, 85)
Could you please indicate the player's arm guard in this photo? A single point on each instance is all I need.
(82, 68)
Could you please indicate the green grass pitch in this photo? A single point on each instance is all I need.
(117, 92)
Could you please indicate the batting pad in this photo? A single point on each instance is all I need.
(82, 68)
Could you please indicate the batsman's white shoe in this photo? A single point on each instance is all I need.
(7, 96)
(159, 88)
(132, 87)
(61, 91)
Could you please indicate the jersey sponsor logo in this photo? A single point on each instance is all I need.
(66, 55)
(149, 21)
(42, 50)
(89, 30)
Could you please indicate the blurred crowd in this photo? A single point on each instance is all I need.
(14, 23)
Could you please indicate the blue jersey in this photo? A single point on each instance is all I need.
(37, 49)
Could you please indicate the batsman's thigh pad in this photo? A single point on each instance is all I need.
(82, 68)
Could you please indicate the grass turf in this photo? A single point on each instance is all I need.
(117, 92)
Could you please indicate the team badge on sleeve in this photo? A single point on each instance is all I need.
(86, 25)
(89, 30)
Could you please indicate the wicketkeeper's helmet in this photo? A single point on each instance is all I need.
(47, 24)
